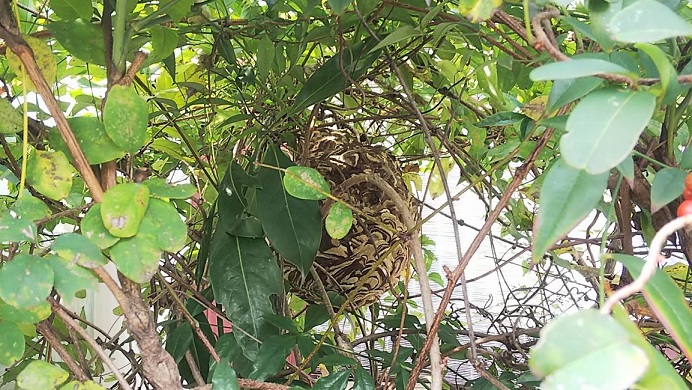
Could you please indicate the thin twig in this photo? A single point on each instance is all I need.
(58, 309)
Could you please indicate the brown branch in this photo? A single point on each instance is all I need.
(57, 309)
(9, 32)
(45, 329)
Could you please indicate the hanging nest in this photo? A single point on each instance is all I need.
(378, 238)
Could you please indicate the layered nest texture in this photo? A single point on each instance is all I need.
(379, 237)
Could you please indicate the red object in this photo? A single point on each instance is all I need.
(687, 193)
(688, 181)
(685, 208)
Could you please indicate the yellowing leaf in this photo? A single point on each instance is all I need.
(123, 208)
(44, 60)
(50, 173)
(339, 221)
(305, 183)
(11, 120)
(478, 10)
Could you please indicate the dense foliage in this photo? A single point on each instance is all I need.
(153, 154)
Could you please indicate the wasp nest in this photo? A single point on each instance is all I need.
(377, 235)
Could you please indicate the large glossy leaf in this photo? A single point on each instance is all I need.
(660, 374)
(25, 281)
(72, 9)
(293, 226)
(224, 376)
(234, 217)
(587, 349)
(667, 301)
(81, 38)
(330, 79)
(604, 127)
(566, 197)
(92, 138)
(244, 274)
(576, 68)
(335, 380)
(666, 187)
(568, 90)
(648, 21)
(272, 356)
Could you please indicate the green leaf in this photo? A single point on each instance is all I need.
(293, 226)
(615, 366)
(78, 249)
(43, 55)
(584, 348)
(504, 118)
(159, 188)
(568, 90)
(244, 274)
(626, 168)
(92, 228)
(41, 375)
(567, 196)
(25, 281)
(125, 117)
(272, 356)
(686, 159)
(265, 57)
(338, 6)
(224, 376)
(13, 229)
(30, 315)
(76, 385)
(315, 315)
(179, 340)
(581, 67)
(329, 79)
(92, 139)
(335, 380)
(162, 222)
(50, 173)
(72, 9)
(647, 21)
(339, 221)
(478, 10)
(362, 380)
(71, 278)
(305, 183)
(233, 208)
(604, 127)
(660, 375)
(81, 38)
(11, 119)
(163, 41)
(666, 72)
(123, 208)
(667, 301)
(667, 186)
(11, 343)
(30, 208)
(137, 257)
(176, 9)
(398, 35)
